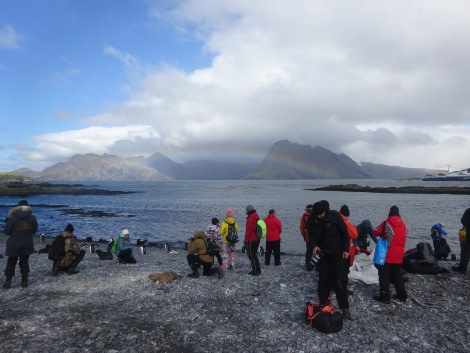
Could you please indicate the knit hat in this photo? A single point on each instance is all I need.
(344, 210)
(69, 228)
(308, 207)
(23, 203)
(318, 208)
(124, 232)
(215, 221)
(249, 208)
(229, 213)
(394, 211)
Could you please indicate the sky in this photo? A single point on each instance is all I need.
(380, 81)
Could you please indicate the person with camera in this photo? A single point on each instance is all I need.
(330, 240)
(198, 256)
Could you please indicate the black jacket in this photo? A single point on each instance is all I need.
(329, 234)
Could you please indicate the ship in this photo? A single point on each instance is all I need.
(459, 175)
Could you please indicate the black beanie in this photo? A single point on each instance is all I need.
(344, 210)
(394, 211)
(318, 208)
(69, 228)
(215, 221)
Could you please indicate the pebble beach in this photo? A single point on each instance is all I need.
(111, 307)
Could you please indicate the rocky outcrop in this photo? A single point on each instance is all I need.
(455, 190)
(27, 189)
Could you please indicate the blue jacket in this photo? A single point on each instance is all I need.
(123, 244)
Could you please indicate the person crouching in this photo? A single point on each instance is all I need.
(72, 253)
(198, 256)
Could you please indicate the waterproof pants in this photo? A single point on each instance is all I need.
(465, 253)
(11, 264)
(391, 273)
(331, 275)
(273, 247)
(195, 262)
(252, 251)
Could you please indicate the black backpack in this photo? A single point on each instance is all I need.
(212, 246)
(57, 249)
(232, 235)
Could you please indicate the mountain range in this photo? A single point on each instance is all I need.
(284, 160)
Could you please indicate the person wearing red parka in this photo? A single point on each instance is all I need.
(273, 238)
(394, 230)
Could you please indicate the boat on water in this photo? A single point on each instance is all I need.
(459, 175)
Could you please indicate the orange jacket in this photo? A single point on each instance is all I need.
(303, 225)
(352, 231)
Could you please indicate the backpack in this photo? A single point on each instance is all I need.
(260, 229)
(232, 235)
(115, 244)
(57, 249)
(211, 246)
(441, 249)
(425, 253)
(323, 317)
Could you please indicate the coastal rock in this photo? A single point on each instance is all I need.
(110, 307)
(18, 188)
(455, 190)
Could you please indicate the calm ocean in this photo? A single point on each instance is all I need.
(170, 211)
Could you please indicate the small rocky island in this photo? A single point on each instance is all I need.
(18, 188)
(454, 190)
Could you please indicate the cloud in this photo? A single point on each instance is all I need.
(382, 82)
(9, 39)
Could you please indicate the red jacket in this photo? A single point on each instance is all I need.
(250, 229)
(273, 228)
(394, 229)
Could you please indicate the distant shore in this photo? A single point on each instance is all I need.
(18, 188)
(455, 190)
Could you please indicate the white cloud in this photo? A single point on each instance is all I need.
(9, 39)
(383, 82)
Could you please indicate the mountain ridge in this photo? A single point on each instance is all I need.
(284, 160)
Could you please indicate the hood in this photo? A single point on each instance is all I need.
(199, 235)
(21, 211)
(230, 220)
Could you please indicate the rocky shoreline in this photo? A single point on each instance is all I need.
(18, 188)
(109, 307)
(454, 190)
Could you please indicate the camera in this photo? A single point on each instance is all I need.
(315, 258)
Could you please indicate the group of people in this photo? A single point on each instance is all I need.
(327, 234)
(198, 249)
(21, 225)
(330, 237)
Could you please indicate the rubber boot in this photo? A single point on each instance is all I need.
(347, 314)
(55, 269)
(24, 280)
(7, 283)
(195, 273)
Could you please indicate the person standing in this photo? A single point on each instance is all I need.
(20, 226)
(72, 253)
(273, 238)
(304, 233)
(229, 250)
(352, 233)
(213, 232)
(251, 241)
(394, 230)
(330, 240)
(465, 245)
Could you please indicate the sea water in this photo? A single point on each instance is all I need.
(171, 211)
